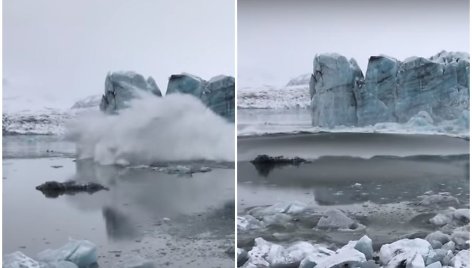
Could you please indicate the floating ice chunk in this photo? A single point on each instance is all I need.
(435, 265)
(435, 256)
(443, 199)
(364, 245)
(462, 259)
(263, 253)
(405, 247)
(81, 252)
(416, 262)
(278, 219)
(284, 207)
(336, 219)
(248, 222)
(135, 261)
(462, 215)
(461, 239)
(441, 219)
(438, 236)
(449, 246)
(347, 258)
(19, 260)
(59, 264)
(267, 254)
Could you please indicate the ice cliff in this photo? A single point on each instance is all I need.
(218, 93)
(390, 91)
(121, 87)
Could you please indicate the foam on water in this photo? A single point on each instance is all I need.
(173, 128)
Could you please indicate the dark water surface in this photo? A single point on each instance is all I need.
(174, 220)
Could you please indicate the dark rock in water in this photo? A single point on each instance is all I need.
(121, 87)
(53, 189)
(264, 164)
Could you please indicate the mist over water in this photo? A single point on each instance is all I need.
(173, 128)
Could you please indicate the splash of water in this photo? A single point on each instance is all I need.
(177, 127)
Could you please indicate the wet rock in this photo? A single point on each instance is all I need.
(53, 189)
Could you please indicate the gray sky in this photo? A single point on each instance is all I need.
(278, 39)
(58, 51)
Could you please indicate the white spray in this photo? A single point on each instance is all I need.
(176, 127)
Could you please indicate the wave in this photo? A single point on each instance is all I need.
(173, 128)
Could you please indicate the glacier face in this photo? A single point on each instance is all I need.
(392, 90)
(332, 87)
(218, 93)
(121, 87)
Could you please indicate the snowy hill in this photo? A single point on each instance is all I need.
(295, 95)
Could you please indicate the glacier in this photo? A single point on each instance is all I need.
(121, 87)
(392, 91)
(218, 93)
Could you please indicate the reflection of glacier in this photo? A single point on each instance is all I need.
(142, 197)
(418, 91)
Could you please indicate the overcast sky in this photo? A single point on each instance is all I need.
(278, 39)
(58, 51)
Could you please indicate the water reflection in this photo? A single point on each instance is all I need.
(118, 225)
(346, 180)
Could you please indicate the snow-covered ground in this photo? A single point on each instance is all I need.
(269, 97)
(42, 120)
